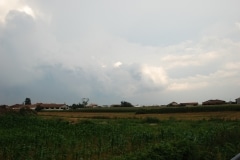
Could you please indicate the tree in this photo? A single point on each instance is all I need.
(27, 101)
(126, 104)
(80, 105)
(75, 106)
(85, 101)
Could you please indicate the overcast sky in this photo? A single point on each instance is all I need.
(145, 52)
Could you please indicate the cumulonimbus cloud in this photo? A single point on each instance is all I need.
(85, 57)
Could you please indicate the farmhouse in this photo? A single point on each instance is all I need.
(214, 102)
(173, 104)
(16, 106)
(31, 106)
(19, 106)
(92, 105)
(43, 106)
(238, 100)
(52, 106)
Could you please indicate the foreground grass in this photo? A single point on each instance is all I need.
(31, 137)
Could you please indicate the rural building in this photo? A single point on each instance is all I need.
(32, 106)
(172, 104)
(43, 106)
(214, 102)
(189, 104)
(105, 106)
(52, 106)
(19, 106)
(16, 106)
(238, 100)
(92, 105)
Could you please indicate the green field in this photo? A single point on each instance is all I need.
(29, 137)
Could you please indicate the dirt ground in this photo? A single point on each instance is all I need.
(76, 116)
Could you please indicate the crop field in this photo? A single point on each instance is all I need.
(119, 136)
(230, 112)
(77, 116)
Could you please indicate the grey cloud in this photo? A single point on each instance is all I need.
(61, 56)
(145, 22)
(19, 20)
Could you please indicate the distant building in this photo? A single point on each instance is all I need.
(105, 106)
(92, 105)
(172, 104)
(43, 106)
(16, 106)
(214, 102)
(52, 106)
(238, 100)
(32, 106)
(231, 102)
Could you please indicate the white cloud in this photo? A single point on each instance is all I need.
(117, 64)
(232, 66)
(229, 74)
(186, 86)
(238, 25)
(155, 75)
(173, 61)
(9, 5)
(27, 10)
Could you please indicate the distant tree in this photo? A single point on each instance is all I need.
(27, 101)
(126, 104)
(85, 101)
(80, 105)
(75, 106)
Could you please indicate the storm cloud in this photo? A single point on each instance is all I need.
(144, 52)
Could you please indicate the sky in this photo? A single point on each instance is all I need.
(146, 52)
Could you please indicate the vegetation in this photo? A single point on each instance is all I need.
(210, 108)
(76, 106)
(27, 101)
(126, 104)
(108, 109)
(156, 110)
(80, 105)
(27, 136)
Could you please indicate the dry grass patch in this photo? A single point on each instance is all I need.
(76, 116)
